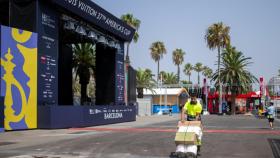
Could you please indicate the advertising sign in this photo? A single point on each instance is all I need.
(19, 78)
(120, 77)
(47, 56)
(1, 104)
(83, 116)
(108, 114)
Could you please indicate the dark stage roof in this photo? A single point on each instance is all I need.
(84, 9)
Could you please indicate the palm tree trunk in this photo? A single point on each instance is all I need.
(84, 80)
(198, 79)
(219, 81)
(140, 92)
(189, 78)
(127, 53)
(126, 71)
(178, 73)
(233, 96)
(83, 93)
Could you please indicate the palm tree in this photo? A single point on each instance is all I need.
(178, 59)
(234, 73)
(144, 80)
(186, 82)
(204, 70)
(170, 78)
(162, 75)
(135, 23)
(188, 70)
(217, 36)
(207, 72)
(198, 67)
(84, 64)
(157, 51)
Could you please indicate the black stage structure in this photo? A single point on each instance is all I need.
(60, 23)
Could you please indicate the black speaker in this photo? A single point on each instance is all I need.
(131, 91)
(105, 75)
(65, 96)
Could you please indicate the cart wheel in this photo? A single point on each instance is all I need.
(173, 155)
(190, 155)
(180, 155)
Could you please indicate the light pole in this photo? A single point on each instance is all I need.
(160, 84)
(205, 93)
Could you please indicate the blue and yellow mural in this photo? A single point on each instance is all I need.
(19, 78)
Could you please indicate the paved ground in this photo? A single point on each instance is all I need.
(224, 137)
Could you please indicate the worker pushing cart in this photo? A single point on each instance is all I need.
(189, 134)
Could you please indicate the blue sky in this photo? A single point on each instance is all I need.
(255, 31)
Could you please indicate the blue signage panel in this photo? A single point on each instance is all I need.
(101, 115)
(60, 116)
(19, 77)
(120, 76)
(83, 116)
(1, 105)
(98, 16)
(47, 28)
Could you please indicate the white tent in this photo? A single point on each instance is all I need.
(164, 91)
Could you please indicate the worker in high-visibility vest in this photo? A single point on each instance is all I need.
(192, 109)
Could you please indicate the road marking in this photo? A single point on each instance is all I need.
(243, 131)
(222, 131)
(124, 129)
(244, 127)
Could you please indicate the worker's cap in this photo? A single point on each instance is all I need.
(193, 94)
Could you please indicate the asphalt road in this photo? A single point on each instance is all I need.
(224, 137)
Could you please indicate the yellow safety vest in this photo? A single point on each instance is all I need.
(193, 110)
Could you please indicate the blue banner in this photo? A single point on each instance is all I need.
(47, 27)
(83, 116)
(100, 115)
(19, 77)
(120, 77)
(1, 105)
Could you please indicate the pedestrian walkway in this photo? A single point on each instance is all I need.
(150, 133)
(238, 124)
